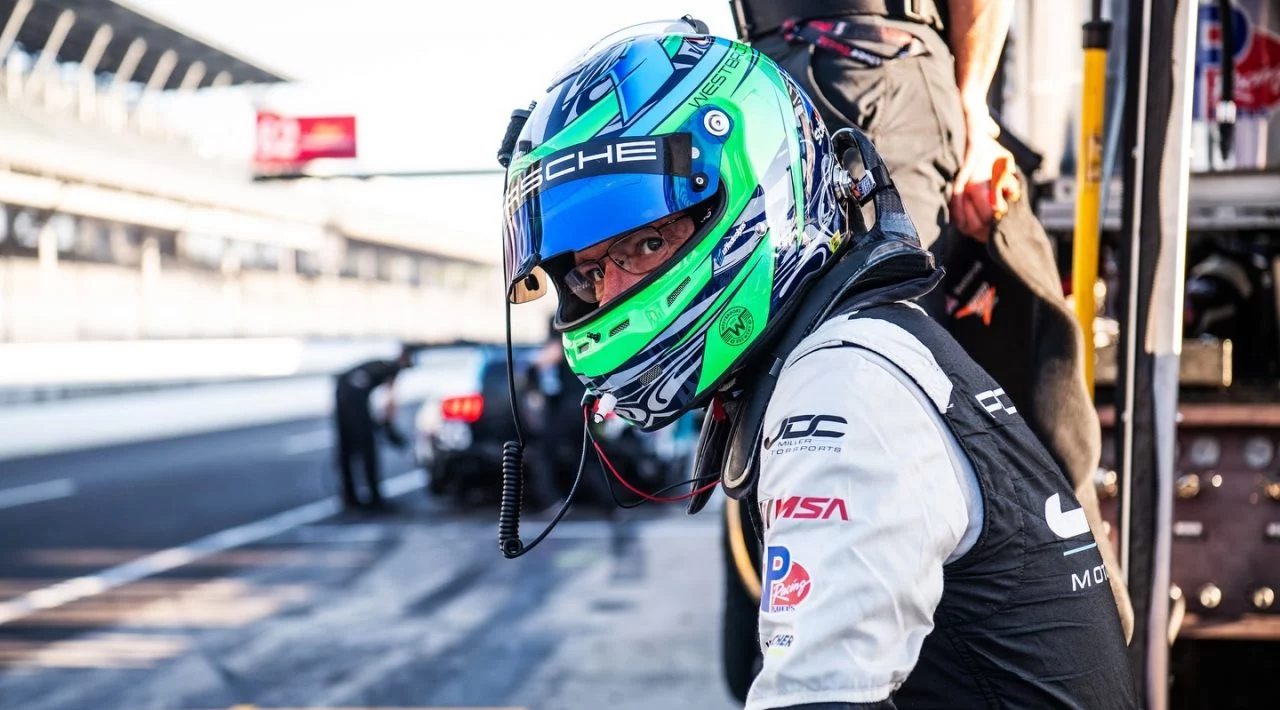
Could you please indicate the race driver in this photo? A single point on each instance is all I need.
(708, 248)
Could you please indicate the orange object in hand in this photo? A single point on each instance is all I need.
(1006, 188)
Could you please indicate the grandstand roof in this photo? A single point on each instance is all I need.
(129, 23)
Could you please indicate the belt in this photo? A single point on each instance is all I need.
(841, 36)
(757, 18)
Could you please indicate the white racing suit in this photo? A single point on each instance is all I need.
(921, 548)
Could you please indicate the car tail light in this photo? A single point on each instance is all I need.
(466, 408)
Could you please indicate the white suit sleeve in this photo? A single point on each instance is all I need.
(863, 503)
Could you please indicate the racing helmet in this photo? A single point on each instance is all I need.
(663, 121)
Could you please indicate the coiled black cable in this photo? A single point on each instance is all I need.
(512, 451)
(513, 470)
(512, 495)
(512, 483)
(512, 466)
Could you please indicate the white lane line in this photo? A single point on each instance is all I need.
(79, 588)
(37, 493)
(308, 442)
(338, 534)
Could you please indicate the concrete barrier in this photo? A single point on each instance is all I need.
(41, 371)
(36, 429)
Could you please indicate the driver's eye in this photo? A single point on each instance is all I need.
(595, 274)
(652, 245)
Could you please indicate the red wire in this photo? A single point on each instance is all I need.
(642, 494)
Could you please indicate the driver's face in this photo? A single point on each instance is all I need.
(611, 279)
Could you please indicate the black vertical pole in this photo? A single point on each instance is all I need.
(1149, 100)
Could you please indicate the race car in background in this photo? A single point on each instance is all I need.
(460, 432)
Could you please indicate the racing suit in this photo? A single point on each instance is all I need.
(921, 547)
(887, 69)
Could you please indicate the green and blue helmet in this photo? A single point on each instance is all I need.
(658, 120)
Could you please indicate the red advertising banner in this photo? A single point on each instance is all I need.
(290, 140)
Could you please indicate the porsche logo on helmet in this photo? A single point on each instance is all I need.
(592, 158)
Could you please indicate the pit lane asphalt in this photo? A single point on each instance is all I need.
(414, 609)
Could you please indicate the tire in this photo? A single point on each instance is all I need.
(740, 649)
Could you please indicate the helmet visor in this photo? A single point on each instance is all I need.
(592, 192)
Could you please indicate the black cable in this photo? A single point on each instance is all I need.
(512, 497)
(511, 381)
(512, 459)
(519, 548)
(608, 482)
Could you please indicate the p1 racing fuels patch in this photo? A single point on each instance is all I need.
(786, 583)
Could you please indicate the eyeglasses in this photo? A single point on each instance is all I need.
(638, 253)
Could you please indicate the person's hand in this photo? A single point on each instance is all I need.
(986, 183)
